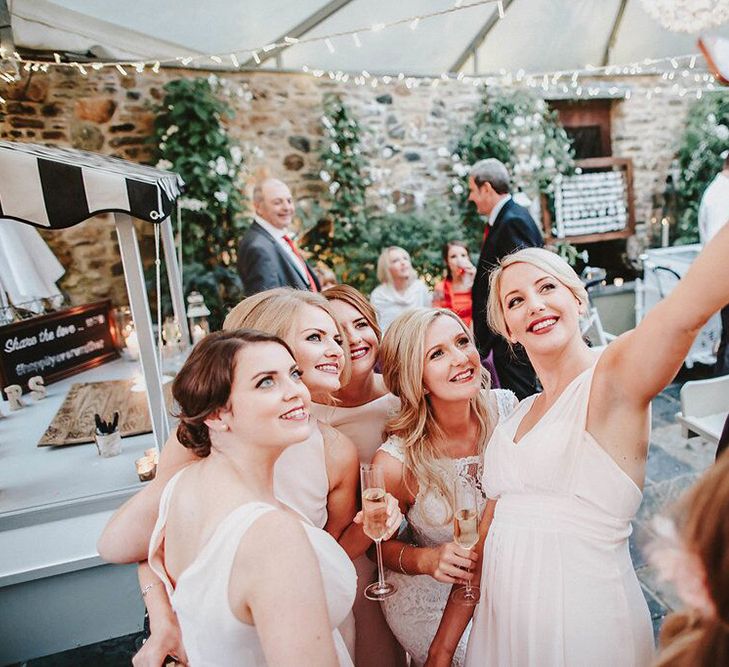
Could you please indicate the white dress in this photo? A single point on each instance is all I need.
(414, 612)
(212, 635)
(389, 303)
(558, 586)
(375, 645)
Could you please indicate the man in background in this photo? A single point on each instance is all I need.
(713, 215)
(509, 228)
(267, 255)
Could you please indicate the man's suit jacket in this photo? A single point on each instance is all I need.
(263, 264)
(513, 229)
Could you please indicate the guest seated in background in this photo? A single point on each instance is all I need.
(252, 582)
(692, 551)
(447, 415)
(326, 277)
(400, 287)
(454, 291)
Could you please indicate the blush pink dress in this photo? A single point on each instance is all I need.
(558, 585)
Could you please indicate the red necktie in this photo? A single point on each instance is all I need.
(486, 232)
(292, 245)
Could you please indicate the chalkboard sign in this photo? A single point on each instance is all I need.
(57, 345)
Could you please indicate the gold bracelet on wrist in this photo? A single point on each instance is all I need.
(399, 559)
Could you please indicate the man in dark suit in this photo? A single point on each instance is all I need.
(267, 256)
(509, 228)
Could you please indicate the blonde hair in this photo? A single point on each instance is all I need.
(383, 265)
(545, 260)
(403, 360)
(275, 311)
(353, 297)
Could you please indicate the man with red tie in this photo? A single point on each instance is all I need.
(510, 227)
(267, 255)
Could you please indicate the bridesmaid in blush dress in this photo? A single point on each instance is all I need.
(564, 473)
(359, 410)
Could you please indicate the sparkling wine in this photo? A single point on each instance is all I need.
(465, 529)
(374, 505)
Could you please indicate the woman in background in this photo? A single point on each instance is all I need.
(239, 567)
(446, 417)
(454, 291)
(399, 288)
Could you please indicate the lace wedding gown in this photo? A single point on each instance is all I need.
(414, 612)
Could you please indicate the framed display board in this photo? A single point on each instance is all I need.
(593, 205)
(57, 345)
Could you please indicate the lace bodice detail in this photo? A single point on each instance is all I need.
(429, 517)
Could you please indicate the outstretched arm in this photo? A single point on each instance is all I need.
(643, 361)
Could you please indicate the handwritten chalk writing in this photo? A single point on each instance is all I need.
(65, 330)
(52, 360)
(14, 344)
(95, 320)
(46, 336)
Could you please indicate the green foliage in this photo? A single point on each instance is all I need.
(700, 159)
(516, 127)
(421, 233)
(342, 222)
(191, 139)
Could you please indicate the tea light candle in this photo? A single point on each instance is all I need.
(133, 346)
(146, 468)
(198, 333)
(664, 233)
(618, 282)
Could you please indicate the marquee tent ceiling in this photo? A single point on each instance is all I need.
(534, 35)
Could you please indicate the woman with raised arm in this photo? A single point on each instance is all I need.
(446, 417)
(565, 471)
(454, 291)
(237, 564)
(318, 477)
(359, 410)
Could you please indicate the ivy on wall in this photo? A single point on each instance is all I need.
(191, 139)
(700, 157)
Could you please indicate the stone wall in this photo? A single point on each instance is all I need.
(109, 113)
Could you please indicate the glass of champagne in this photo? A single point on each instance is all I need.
(465, 530)
(374, 509)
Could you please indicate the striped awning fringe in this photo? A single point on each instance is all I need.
(57, 188)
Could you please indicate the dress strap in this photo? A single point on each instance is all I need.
(394, 447)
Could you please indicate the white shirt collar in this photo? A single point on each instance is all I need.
(273, 231)
(497, 209)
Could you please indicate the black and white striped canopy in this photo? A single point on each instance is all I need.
(60, 187)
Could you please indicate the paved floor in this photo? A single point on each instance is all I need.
(673, 465)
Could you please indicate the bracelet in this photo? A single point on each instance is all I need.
(149, 587)
(399, 559)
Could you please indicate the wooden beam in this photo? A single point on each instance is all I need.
(480, 37)
(614, 32)
(299, 30)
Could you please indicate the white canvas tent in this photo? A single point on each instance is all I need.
(468, 36)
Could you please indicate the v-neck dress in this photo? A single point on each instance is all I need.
(558, 585)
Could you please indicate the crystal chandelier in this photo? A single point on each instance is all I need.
(690, 16)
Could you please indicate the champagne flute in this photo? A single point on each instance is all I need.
(465, 530)
(374, 508)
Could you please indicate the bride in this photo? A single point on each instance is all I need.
(446, 417)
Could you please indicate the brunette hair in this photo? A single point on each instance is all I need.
(701, 515)
(446, 249)
(204, 383)
(403, 362)
(353, 297)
